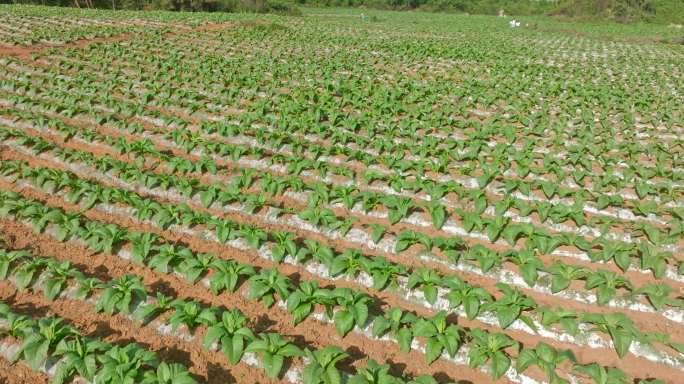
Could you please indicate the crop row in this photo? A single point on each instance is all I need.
(92, 196)
(225, 276)
(114, 166)
(121, 295)
(379, 138)
(167, 261)
(278, 139)
(558, 213)
(51, 345)
(654, 234)
(207, 197)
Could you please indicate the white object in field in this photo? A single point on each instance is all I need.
(513, 23)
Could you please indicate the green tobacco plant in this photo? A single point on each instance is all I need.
(191, 314)
(563, 274)
(398, 207)
(374, 373)
(486, 258)
(41, 341)
(566, 318)
(25, 274)
(352, 309)
(192, 268)
(606, 283)
(495, 227)
(658, 295)
(620, 252)
(620, 328)
(121, 295)
(515, 231)
(254, 203)
(254, 236)
(546, 358)
(165, 373)
(377, 232)
(10, 260)
(439, 336)
(226, 275)
(17, 326)
(437, 212)
(452, 247)
(550, 243)
(301, 302)
(273, 350)
(103, 237)
(653, 259)
(428, 280)
(470, 297)
(225, 230)
(321, 368)
(142, 245)
(167, 257)
(146, 312)
(124, 364)
(231, 333)
(56, 276)
(347, 263)
(343, 226)
(399, 323)
(602, 375)
(66, 225)
(78, 357)
(268, 283)
(320, 253)
(345, 195)
(510, 306)
(407, 238)
(320, 217)
(285, 246)
(490, 347)
(528, 263)
(383, 272)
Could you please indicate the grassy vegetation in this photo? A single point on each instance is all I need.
(662, 11)
(658, 11)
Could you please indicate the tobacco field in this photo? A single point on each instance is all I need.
(409, 198)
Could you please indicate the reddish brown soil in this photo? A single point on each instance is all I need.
(20, 373)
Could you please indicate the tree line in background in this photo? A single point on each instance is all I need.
(261, 6)
(671, 11)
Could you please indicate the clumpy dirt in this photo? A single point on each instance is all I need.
(20, 373)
